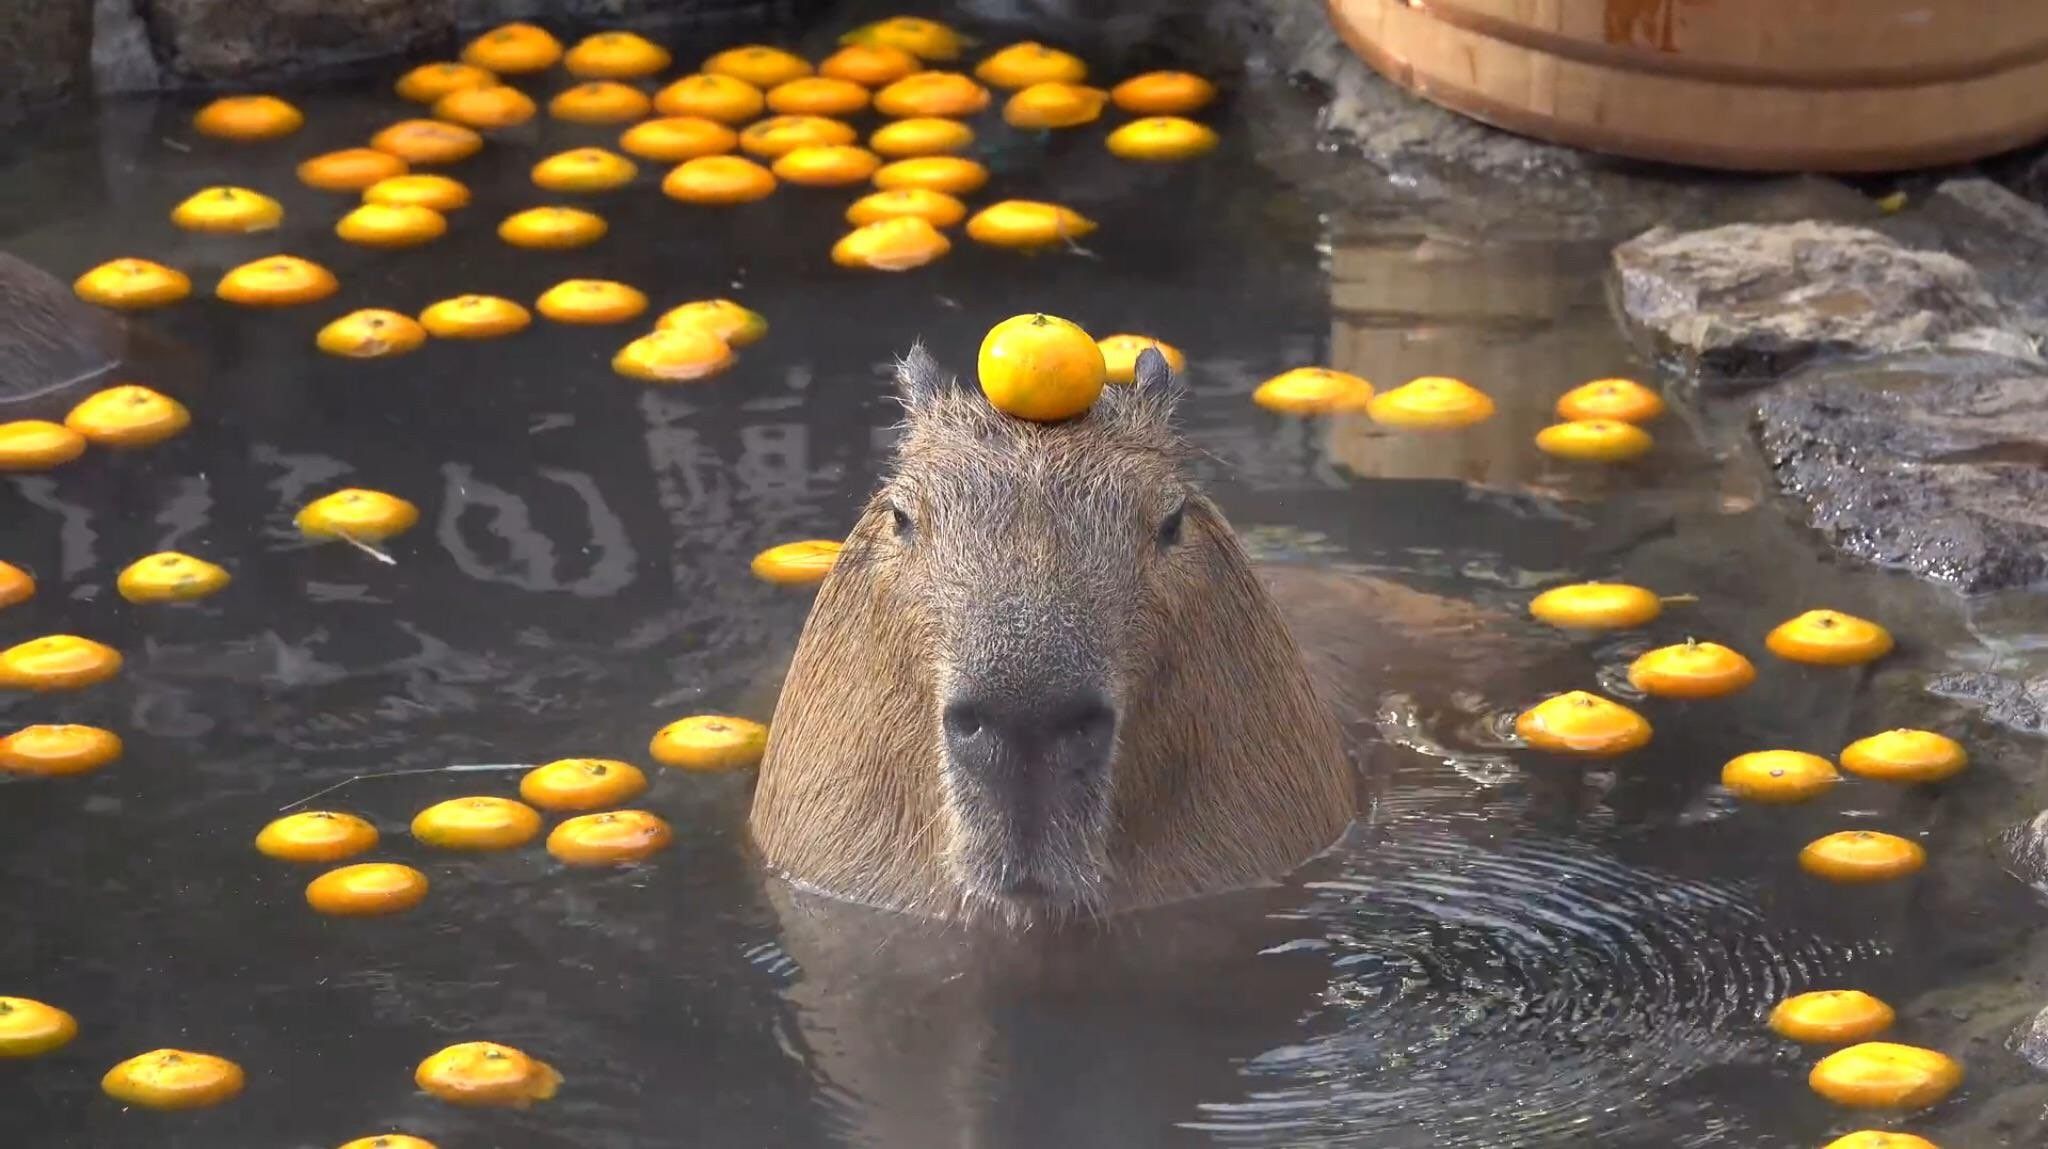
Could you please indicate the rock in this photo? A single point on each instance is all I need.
(1749, 302)
(2003, 235)
(48, 337)
(1937, 463)
(123, 62)
(212, 41)
(45, 52)
(2024, 851)
(2015, 703)
(2031, 1042)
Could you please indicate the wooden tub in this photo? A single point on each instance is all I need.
(1764, 85)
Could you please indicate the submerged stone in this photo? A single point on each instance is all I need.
(2023, 850)
(1748, 302)
(1935, 464)
(2031, 1041)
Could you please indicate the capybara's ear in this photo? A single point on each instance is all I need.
(920, 381)
(1153, 395)
(1152, 370)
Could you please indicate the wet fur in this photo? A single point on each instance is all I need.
(48, 337)
(1230, 766)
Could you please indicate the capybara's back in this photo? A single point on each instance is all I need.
(48, 337)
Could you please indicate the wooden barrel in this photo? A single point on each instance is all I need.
(1758, 85)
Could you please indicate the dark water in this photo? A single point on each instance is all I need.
(1511, 952)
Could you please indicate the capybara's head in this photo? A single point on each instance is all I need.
(1043, 680)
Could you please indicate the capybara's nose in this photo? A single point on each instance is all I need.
(1069, 731)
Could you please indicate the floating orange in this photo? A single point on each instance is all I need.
(316, 836)
(818, 96)
(673, 139)
(1880, 1139)
(934, 207)
(799, 563)
(392, 226)
(484, 1073)
(58, 662)
(474, 317)
(1861, 856)
(371, 333)
(437, 192)
(1831, 1017)
(1618, 400)
(30, 1028)
(16, 585)
(248, 118)
(51, 751)
(581, 784)
(1778, 777)
(514, 49)
(1161, 139)
(132, 285)
(1313, 391)
(600, 102)
(37, 445)
(718, 181)
(871, 65)
(427, 142)
(1596, 606)
(831, 165)
(953, 175)
(738, 326)
(169, 576)
(1883, 1075)
(552, 228)
(723, 99)
(932, 94)
(355, 513)
(1431, 403)
(897, 244)
(350, 169)
(584, 170)
(780, 135)
(1021, 223)
(390, 1141)
(615, 56)
(1040, 367)
(276, 281)
(1163, 94)
(921, 136)
(590, 301)
(228, 211)
(1905, 756)
(673, 355)
(477, 823)
(430, 82)
(1054, 105)
(924, 39)
(366, 890)
(613, 838)
(486, 109)
(1028, 63)
(1829, 638)
(758, 64)
(173, 1079)
(1582, 723)
(1691, 670)
(1594, 441)
(1120, 355)
(710, 742)
(128, 415)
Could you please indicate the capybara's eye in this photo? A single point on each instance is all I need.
(901, 519)
(1169, 530)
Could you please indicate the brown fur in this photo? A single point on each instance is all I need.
(1230, 767)
(48, 338)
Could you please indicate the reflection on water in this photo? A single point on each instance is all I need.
(1512, 952)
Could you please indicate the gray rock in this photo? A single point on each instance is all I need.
(45, 52)
(1746, 303)
(48, 337)
(2024, 852)
(2015, 703)
(215, 41)
(2031, 1041)
(123, 61)
(2001, 234)
(1934, 463)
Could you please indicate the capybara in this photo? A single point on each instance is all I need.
(1044, 681)
(48, 337)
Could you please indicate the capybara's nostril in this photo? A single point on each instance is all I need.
(962, 720)
(1034, 728)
